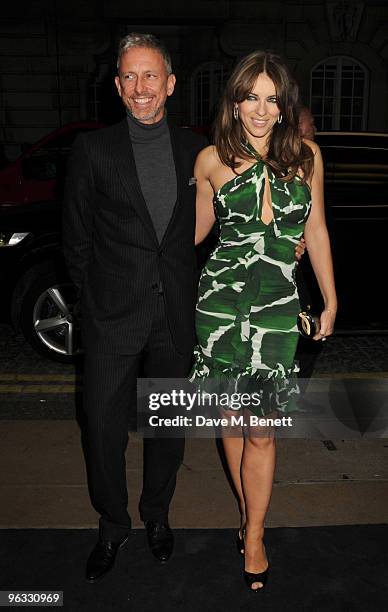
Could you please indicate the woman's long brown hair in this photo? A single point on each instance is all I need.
(287, 153)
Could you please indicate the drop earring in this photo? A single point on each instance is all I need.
(235, 112)
(280, 118)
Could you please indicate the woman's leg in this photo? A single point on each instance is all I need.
(257, 471)
(233, 448)
(250, 454)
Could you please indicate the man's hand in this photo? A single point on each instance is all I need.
(300, 249)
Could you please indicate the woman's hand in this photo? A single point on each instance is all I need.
(300, 249)
(326, 324)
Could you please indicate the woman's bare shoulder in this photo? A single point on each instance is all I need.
(313, 145)
(208, 159)
(209, 154)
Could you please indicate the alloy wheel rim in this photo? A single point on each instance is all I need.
(54, 322)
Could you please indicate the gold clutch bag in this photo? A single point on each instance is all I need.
(308, 324)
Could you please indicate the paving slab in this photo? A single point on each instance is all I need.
(43, 481)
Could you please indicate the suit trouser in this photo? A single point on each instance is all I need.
(110, 405)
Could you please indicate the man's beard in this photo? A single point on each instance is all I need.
(148, 117)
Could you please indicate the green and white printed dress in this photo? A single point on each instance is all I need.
(247, 298)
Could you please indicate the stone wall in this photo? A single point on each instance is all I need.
(57, 58)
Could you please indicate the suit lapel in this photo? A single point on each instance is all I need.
(122, 152)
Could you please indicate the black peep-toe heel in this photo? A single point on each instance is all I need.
(240, 540)
(252, 578)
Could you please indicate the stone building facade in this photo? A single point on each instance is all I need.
(57, 58)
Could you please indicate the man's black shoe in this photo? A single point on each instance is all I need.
(102, 558)
(160, 540)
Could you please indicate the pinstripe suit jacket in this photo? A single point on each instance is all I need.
(111, 249)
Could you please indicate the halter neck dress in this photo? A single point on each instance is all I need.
(247, 297)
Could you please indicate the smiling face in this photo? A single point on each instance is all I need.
(259, 112)
(144, 84)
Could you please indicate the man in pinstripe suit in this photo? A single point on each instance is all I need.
(129, 217)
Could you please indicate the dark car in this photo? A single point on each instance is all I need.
(356, 198)
(36, 293)
(38, 297)
(38, 174)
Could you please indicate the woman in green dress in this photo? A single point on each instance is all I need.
(264, 185)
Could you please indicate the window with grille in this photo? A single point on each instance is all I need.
(207, 84)
(94, 101)
(338, 94)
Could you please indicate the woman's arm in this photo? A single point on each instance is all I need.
(205, 217)
(318, 246)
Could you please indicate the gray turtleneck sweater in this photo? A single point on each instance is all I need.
(155, 168)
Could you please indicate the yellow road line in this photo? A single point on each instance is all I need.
(72, 377)
(7, 381)
(24, 389)
(10, 377)
(353, 375)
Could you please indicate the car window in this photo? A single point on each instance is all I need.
(40, 166)
(356, 170)
(62, 142)
(48, 162)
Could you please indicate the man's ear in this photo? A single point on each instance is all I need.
(171, 84)
(118, 85)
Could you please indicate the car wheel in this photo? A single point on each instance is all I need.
(47, 319)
